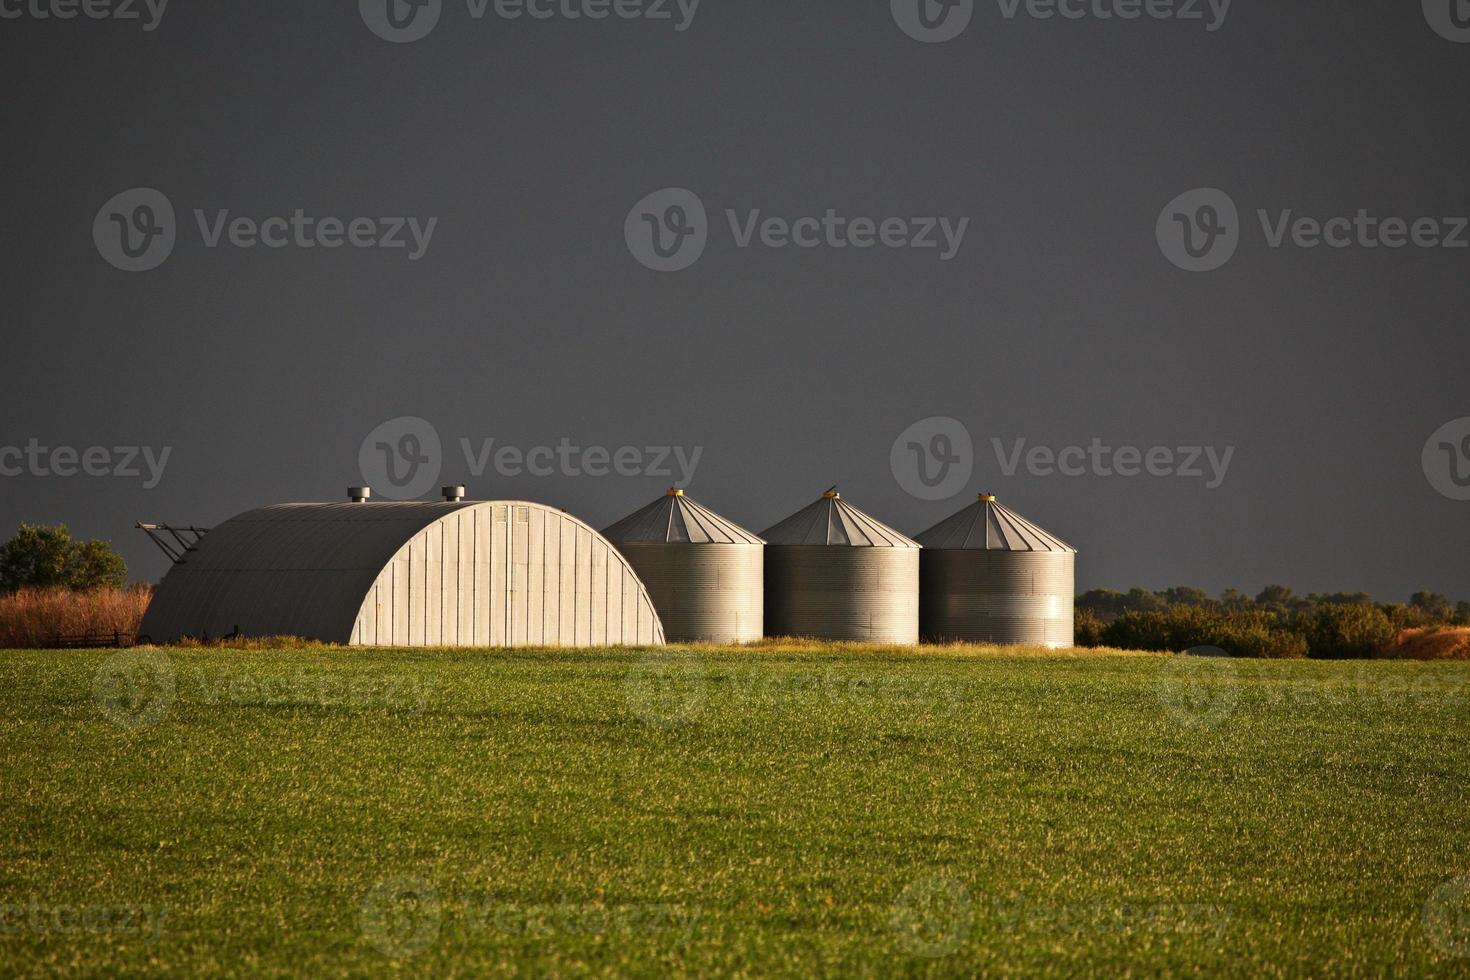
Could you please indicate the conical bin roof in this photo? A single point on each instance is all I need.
(676, 519)
(830, 520)
(986, 525)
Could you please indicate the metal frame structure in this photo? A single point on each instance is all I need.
(185, 539)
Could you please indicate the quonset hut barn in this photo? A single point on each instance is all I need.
(450, 573)
(988, 575)
(834, 573)
(703, 572)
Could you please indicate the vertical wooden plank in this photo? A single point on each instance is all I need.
(368, 635)
(551, 578)
(499, 572)
(520, 561)
(418, 588)
(449, 586)
(482, 576)
(613, 630)
(584, 588)
(536, 577)
(401, 566)
(629, 625)
(466, 578)
(599, 593)
(434, 578)
(566, 632)
(382, 591)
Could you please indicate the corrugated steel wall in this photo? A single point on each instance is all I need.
(868, 595)
(978, 596)
(704, 593)
(507, 574)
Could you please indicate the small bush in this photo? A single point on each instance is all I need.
(1181, 628)
(48, 557)
(1087, 629)
(1258, 636)
(1338, 632)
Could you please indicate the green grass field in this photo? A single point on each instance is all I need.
(771, 812)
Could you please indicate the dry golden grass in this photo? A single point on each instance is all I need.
(800, 645)
(33, 617)
(1433, 643)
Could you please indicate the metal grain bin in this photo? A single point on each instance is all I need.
(834, 573)
(988, 575)
(704, 573)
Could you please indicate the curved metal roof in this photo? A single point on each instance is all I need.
(675, 519)
(306, 569)
(986, 525)
(830, 520)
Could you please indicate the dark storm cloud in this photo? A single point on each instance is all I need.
(794, 353)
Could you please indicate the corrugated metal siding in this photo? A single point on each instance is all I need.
(977, 596)
(868, 595)
(499, 573)
(704, 593)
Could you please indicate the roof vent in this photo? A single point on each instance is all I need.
(453, 494)
(359, 495)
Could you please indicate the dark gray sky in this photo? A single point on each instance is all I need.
(528, 320)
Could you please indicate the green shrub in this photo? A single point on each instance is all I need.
(1258, 635)
(1336, 632)
(1087, 629)
(1252, 634)
(49, 558)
